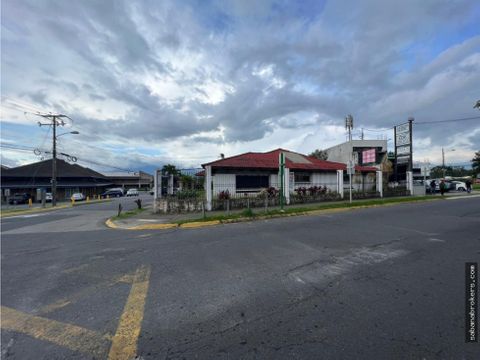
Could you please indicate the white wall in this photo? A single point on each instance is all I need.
(223, 182)
(328, 179)
(274, 180)
(361, 183)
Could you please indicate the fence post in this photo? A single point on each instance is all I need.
(340, 183)
(208, 186)
(379, 179)
(286, 188)
(228, 206)
(410, 182)
(266, 204)
(170, 185)
(157, 189)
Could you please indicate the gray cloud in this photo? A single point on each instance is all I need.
(165, 71)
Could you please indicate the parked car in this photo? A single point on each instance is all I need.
(112, 193)
(19, 199)
(132, 192)
(117, 189)
(77, 197)
(459, 186)
(48, 197)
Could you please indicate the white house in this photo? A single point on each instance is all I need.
(251, 172)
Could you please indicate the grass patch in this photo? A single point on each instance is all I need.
(249, 213)
(476, 186)
(127, 214)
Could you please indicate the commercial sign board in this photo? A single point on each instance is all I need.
(368, 156)
(403, 159)
(403, 145)
(403, 150)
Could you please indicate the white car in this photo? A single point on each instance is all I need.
(132, 192)
(459, 185)
(77, 197)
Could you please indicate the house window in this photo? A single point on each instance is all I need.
(302, 178)
(251, 181)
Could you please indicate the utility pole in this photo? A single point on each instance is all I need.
(443, 163)
(281, 164)
(351, 164)
(444, 169)
(54, 122)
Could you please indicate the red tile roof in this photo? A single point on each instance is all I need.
(269, 160)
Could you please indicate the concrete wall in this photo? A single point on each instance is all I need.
(361, 182)
(341, 152)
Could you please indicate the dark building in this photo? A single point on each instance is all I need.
(71, 178)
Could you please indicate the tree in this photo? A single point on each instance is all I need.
(437, 171)
(319, 154)
(476, 162)
(169, 169)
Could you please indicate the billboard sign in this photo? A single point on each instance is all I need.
(368, 156)
(403, 143)
(403, 150)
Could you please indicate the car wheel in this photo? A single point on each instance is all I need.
(461, 189)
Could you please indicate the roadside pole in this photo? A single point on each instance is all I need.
(351, 166)
(350, 169)
(425, 179)
(281, 165)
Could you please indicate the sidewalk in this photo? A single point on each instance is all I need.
(146, 220)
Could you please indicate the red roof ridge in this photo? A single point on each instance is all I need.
(227, 158)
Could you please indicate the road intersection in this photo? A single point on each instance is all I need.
(370, 283)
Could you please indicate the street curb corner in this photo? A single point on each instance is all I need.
(109, 223)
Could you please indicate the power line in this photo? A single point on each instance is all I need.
(30, 149)
(19, 106)
(444, 121)
(379, 130)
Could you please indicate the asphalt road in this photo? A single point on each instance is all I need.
(376, 283)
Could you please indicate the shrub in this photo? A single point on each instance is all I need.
(187, 194)
(268, 193)
(224, 195)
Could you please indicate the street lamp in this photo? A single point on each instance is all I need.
(54, 162)
(443, 161)
(71, 132)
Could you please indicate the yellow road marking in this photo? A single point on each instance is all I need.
(198, 224)
(124, 342)
(153, 227)
(70, 336)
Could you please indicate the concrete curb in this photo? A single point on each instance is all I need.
(199, 224)
(192, 225)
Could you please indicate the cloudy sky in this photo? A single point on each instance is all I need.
(150, 82)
